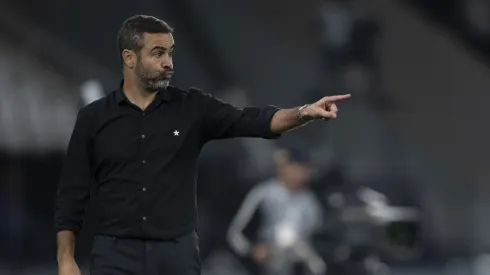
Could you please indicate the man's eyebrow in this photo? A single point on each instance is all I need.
(159, 48)
(162, 48)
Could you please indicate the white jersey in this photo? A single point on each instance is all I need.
(287, 214)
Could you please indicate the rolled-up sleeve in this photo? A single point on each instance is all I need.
(74, 184)
(222, 120)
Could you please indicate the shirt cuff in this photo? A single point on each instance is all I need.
(266, 128)
(68, 226)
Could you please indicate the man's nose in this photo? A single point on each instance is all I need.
(167, 62)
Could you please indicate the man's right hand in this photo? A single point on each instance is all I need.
(69, 268)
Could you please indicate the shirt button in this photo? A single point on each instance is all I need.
(144, 218)
(144, 114)
(144, 189)
(143, 136)
(144, 161)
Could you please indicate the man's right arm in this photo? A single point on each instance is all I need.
(66, 247)
(73, 190)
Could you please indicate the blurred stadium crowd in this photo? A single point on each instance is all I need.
(385, 208)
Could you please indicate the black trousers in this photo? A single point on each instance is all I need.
(116, 256)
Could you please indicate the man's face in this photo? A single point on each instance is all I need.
(154, 67)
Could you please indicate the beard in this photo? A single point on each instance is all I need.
(152, 81)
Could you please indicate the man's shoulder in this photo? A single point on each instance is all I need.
(192, 96)
(192, 91)
(95, 106)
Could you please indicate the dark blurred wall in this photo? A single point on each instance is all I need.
(90, 28)
(432, 76)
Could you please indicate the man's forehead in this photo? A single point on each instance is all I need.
(165, 40)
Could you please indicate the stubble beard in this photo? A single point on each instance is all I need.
(148, 82)
(155, 84)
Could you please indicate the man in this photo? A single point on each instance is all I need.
(140, 147)
(290, 214)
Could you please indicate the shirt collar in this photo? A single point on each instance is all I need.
(162, 95)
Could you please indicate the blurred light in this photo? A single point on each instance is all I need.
(286, 236)
(372, 197)
(91, 91)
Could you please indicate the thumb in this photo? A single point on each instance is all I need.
(322, 113)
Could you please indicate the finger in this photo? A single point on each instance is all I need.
(326, 114)
(333, 108)
(336, 98)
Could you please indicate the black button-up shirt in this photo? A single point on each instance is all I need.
(144, 163)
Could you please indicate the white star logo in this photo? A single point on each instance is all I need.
(176, 133)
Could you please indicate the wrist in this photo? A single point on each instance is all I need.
(304, 114)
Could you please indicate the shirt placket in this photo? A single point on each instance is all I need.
(144, 162)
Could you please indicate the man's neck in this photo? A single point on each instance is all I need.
(137, 95)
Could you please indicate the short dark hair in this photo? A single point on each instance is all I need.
(130, 34)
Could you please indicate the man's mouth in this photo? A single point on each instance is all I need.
(167, 74)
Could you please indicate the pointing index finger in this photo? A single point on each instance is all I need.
(337, 97)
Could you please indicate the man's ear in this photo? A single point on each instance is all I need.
(129, 58)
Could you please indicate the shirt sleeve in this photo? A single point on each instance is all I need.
(74, 185)
(222, 120)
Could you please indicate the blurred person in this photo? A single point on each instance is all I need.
(139, 146)
(348, 34)
(337, 22)
(291, 214)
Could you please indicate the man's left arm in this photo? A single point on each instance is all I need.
(223, 120)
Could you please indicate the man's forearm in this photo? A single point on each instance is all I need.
(66, 245)
(287, 119)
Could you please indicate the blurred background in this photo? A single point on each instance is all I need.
(411, 143)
